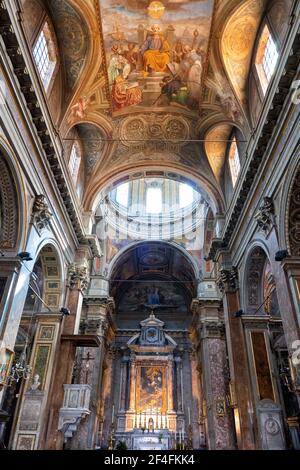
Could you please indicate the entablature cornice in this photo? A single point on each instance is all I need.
(43, 130)
(261, 140)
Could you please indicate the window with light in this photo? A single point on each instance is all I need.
(122, 194)
(266, 58)
(45, 56)
(154, 201)
(186, 195)
(234, 162)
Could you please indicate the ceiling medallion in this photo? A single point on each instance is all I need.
(156, 10)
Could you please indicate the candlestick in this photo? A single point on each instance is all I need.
(189, 413)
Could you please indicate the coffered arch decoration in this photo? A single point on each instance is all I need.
(259, 285)
(293, 217)
(9, 214)
(51, 275)
(237, 42)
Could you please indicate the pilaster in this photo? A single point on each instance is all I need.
(209, 323)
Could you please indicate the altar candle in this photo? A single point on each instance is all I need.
(189, 412)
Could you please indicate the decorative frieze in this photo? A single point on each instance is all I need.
(293, 218)
(9, 216)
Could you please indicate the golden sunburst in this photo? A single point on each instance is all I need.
(156, 10)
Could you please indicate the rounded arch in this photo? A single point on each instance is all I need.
(160, 267)
(134, 245)
(188, 176)
(13, 208)
(50, 257)
(86, 85)
(289, 235)
(257, 282)
(238, 36)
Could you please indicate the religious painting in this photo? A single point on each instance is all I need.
(151, 388)
(140, 295)
(156, 51)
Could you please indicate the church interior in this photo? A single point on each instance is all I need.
(149, 224)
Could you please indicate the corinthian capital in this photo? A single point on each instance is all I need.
(78, 277)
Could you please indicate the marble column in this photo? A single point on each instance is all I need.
(170, 385)
(123, 383)
(192, 412)
(108, 412)
(238, 360)
(209, 322)
(178, 362)
(132, 403)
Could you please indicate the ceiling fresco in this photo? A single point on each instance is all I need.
(73, 38)
(156, 51)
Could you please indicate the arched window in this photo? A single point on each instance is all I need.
(234, 161)
(154, 200)
(122, 194)
(74, 163)
(45, 55)
(186, 195)
(266, 58)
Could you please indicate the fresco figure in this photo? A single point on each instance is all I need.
(191, 72)
(118, 65)
(155, 51)
(131, 55)
(125, 94)
(153, 296)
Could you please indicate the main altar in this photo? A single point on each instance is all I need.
(151, 382)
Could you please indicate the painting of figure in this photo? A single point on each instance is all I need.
(142, 295)
(156, 51)
(151, 388)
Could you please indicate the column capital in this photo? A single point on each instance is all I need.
(212, 329)
(78, 276)
(227, 280)
(98, 319)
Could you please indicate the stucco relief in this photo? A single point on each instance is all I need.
(155, 137)
(8, 208)
(294, 218)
